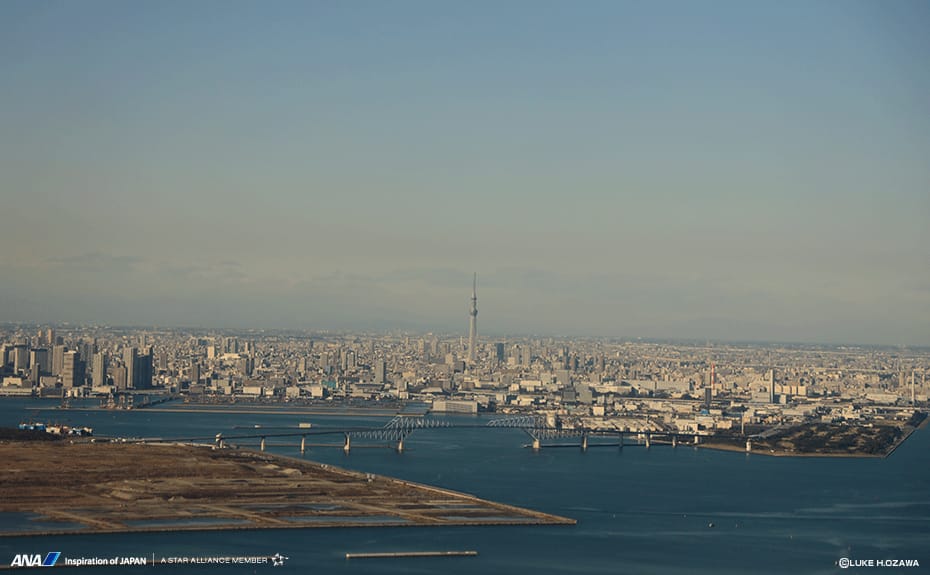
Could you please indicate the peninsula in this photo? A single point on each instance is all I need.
(61, 487)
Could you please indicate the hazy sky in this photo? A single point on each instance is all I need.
(716, 169)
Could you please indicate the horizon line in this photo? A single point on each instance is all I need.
(442, 333)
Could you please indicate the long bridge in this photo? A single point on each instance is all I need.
(398, 429)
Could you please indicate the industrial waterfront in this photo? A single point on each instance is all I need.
(767, 514)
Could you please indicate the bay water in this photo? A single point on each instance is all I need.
(640, 511)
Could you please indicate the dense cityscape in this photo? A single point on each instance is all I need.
(713, 389)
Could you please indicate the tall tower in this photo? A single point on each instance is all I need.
(772, 385)
(473, 322)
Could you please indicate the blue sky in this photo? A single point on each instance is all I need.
(719, 170)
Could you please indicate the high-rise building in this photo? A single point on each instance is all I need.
(5, 350)
(499, 352)
(195, 373)
(72, 371)
(473, 321)
(39, 357)
(88, 349)
(138, 368)
(349, 360)
(131, 360)
(142, 379)
(380, 371)
(100, 370)
(58, 358)
(244, 365)
(20, 358)
(120, 378)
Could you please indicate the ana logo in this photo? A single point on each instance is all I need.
(26, 560)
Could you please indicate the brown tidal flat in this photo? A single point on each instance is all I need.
(108, 487)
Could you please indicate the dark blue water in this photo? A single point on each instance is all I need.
(638, 510)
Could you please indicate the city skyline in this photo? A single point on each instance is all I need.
(718, 172)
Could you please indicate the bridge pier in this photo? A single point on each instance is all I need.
(620, 443)
(647, 441)
(348, 445)
(303, 443)
(674, 441)
(697, 439)
(400, 445)
(262, 446)
(584, 442)
(536, 445)
(748, 446)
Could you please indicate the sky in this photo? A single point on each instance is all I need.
(720, 170)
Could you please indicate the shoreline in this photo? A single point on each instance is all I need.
(345, 525)
(904, 438)
(737, 449)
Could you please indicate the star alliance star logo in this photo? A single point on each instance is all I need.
(278, 560)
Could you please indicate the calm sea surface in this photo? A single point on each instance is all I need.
(639, 511)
